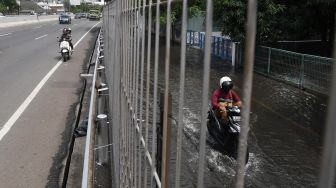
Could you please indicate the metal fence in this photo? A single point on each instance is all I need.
(133, 102)
(220, 46)
(133, 99)
(303, 70)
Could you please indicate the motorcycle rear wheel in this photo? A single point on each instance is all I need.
(234, 150)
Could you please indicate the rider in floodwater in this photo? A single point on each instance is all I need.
(223, 97)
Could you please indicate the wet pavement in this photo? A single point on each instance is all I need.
(285, 138)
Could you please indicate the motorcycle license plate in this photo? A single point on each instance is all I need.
(236, 118)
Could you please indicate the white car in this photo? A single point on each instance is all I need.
(1, 15)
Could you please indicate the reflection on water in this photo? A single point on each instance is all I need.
(285, 136)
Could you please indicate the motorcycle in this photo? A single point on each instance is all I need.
(65, 50)
(226, 132)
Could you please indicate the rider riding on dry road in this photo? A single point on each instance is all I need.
(66, 35)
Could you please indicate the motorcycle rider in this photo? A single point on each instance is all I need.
(224, 96)
(66, 35)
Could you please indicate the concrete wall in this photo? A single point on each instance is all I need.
(9, 21)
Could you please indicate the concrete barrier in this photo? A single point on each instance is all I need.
(10, 21)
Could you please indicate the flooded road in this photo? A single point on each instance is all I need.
(285, 138)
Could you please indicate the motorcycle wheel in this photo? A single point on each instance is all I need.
(64, 57)
(234, 150)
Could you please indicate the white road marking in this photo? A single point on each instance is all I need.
(5, 34)
(37, 27)
(9, 124)
(41, 37)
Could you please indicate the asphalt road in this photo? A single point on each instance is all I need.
(38, 99)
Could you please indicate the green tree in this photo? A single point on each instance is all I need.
(11, 4)
(2, 7)
(231, 16)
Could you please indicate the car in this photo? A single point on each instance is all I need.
(83, 15)
(94, 15)
(78, 16)
(1, 14)
(64, 19)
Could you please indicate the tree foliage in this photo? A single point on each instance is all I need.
(276, 19)
(7, 6)
(231, 16)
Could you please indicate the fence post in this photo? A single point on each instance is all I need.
(190, 37)
(199, 39)
(240, 54)
(269, 61)
(233, 55)
(223, 52)
(164, 139)
(102, 131)
(213, 44)
(301, 72)
(218, 46)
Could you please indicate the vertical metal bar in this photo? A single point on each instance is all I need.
(233, 54)
(131, 97)
(116, 98)
(132, 119)
(148, 83)
(121, 94)
(202, 44)
(269, 61)
(166, 93)
(327, 171)
(240, 54)
(218, 46)
(137, 178)
(213, 45)
(181, 96)
(126, 94)
(301, 72)
(205, 92)
(199, 34)
(190, 37)
(127, 125)
(155, 94)
(141, 85)
(247, 90)
(122, 89)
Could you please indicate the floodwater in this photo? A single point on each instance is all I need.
(285, 139)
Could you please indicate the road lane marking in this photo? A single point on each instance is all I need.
(37, 27)
(5, 34)
(9, 124)
(41, 37)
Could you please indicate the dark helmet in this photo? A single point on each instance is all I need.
(225, 83)
(69, 30)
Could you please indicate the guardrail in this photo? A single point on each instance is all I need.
(302, 70)
(87, 178)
